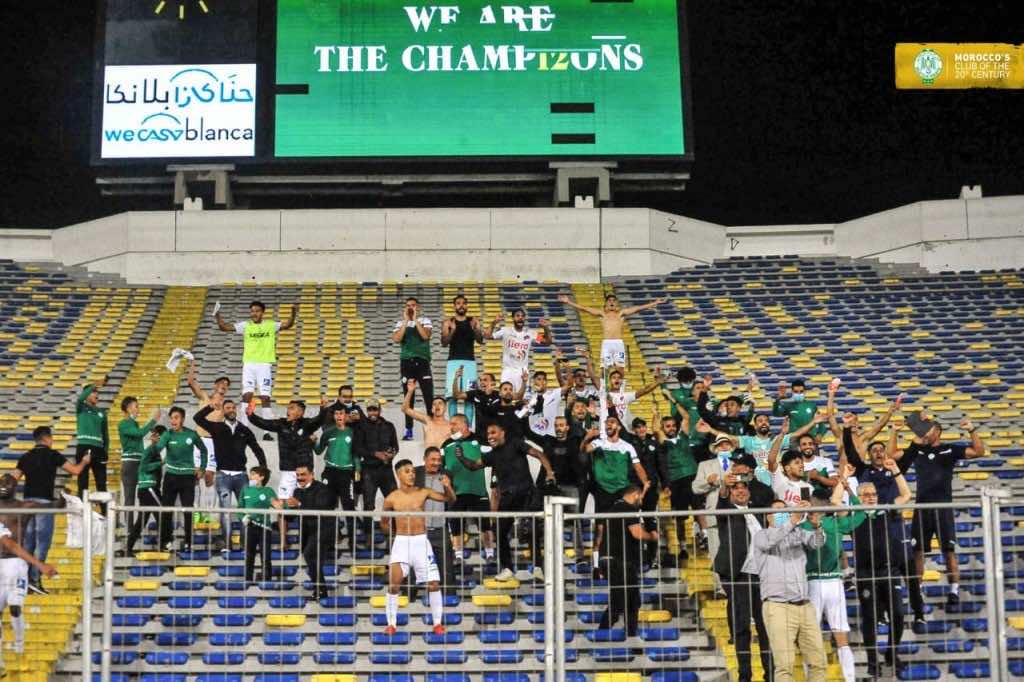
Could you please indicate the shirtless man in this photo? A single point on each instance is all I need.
(436, 429)
(207, 495)
(14, 563)
(410, 546)
(613, 350)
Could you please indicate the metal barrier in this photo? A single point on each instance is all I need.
(154, 611)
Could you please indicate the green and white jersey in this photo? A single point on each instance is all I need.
(260, 341)
(612, 462)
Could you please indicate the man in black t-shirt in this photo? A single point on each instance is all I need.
(622, 545)
(38, 467)
(510, 467)
(483, 399)
(934, 463)
(459, 333)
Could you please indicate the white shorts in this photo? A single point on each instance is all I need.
(257, 378)
(613, 353)
(829, 597)
(13, 581)
(415, 551)
(286, 485)
(513, 375)
(211, 460)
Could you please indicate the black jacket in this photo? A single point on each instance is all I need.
(317, 496)
(374, 436)
(229, 447)
(733, 535)
(294, 445)
(651, 458)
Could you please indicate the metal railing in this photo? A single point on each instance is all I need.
(666, 581)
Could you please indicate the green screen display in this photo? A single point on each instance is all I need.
(371, 78)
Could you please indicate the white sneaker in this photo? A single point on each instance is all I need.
(505, 574)
(19, 647)
(538, 573)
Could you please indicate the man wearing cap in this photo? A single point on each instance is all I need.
(797, 408)
(778, 556)
(376, 442)
(741, 587)
(934, 462)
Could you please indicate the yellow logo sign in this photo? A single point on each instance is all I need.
(957, 66)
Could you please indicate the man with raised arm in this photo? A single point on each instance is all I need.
(507, 458)
(230, 438)
(759, 444)
(459, 334)
(92, 437)
(483, 399)
(617, 400)
(411, 547)
(516, 343)
(470, 486)
(342, 468)
(788, 480)
(38, 467)
(435, 425)
(10, 551)
(259, 353)
(612, 459)
(131, 436)
(934, 462)
(796, 408)
(14, 569)
(613, 318)
(413, 333)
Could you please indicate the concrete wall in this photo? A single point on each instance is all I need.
(580, 245)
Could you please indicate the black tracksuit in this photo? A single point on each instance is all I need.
(229, 446)
(294, 444)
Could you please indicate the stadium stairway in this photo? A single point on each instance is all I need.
(60, 328)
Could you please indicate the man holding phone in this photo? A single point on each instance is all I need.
(412, 333)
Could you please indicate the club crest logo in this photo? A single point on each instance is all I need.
(928, 65)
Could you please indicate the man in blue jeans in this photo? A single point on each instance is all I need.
(38, 467)
(230, 439)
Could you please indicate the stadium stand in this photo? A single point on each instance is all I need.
(950, 341)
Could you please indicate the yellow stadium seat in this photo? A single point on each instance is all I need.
(141, 585)
(495, 584)
(647, 616)
(619, 677)
(378, 601)
(192, 571)
(369, 570)
(289, 620)
(492, 600)
(153, 556)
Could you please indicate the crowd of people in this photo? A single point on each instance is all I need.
(746, 486)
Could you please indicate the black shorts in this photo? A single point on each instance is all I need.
(603, 501)
(929, 523)
(471, 503)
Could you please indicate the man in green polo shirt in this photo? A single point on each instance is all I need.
(799, 410)
(341, 467)
(258, 527)
(679, 470)
(132, 447)
(91, 437)
(148, 489)
(180, 474)
(412, 333)
(470, 486)
(259, 353)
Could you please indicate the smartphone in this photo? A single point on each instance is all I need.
(805, 494)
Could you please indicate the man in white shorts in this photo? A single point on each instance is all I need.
(411, 547)
(825, 574)
(259, 353)
(14, 561)
(613, 350)
(516, 343)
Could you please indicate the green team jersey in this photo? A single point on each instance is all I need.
(683, 395)
(800, 413)
(91, 422)
(256, 497)
(149, 467)
(612, 462)
(338, 443)
(823, 562)
(464, 481)
(259, 341)
(180, 446)
(131, 436)
(679, 458)
(760, 447)
(413, 345)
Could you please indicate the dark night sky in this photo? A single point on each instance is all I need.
(795, 113)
